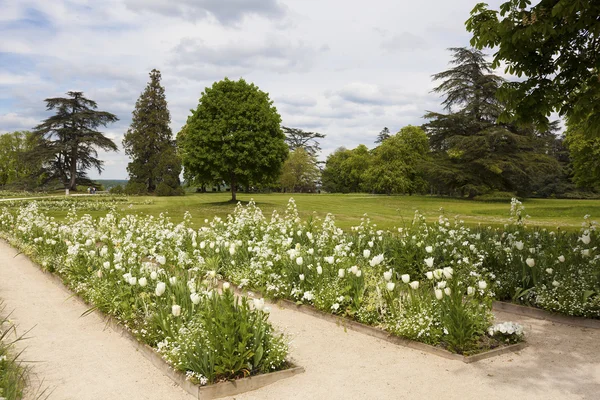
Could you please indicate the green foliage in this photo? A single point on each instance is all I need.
(136, 188)
(149, 141)
(66, 143)
(585, 157)
(300, 172)
(474, 154)
(234, 135)
(553, 45)
(396, 164)
(297, 138)
(15, 169)
(165, 190)
(116, 190)
(344, 170)
(383, 135)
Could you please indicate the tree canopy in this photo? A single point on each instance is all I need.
(16, 170)
(585, 157)
(300, 172)
(149, 142)
(296, 138)
(384, 134)
(234, 135)
(67, 143)
(554, 46)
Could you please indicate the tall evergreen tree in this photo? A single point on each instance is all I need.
(149, 142)
(383, 135)
(473, 153)
(67, 142)
(296, 138)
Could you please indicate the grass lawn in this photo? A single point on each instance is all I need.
(387, 211)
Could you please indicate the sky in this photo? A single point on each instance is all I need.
(344, 68)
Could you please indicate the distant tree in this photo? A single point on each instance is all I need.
(296, 138)
(554, 45)
(300, 172)
(384, 134)
(234, 135)
(585, 157)
(396, 166)
(473, 153)
(344, 169)
(15, 169)
(67, 142)
(149, 142)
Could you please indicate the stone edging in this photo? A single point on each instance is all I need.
(214, 391)
(546, 315)
(384, 335)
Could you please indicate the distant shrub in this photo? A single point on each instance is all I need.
(496, 196)
(117, 190)
(165, 190)
(136, 188)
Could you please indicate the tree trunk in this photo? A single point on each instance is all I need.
(233, 197)
(73, 169)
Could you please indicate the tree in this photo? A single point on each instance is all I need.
(473, 153)
(149, 141)
(384, 134)
(296, 138)
(234, 135)
(585, 157)
(300, 172)
(554, 45)
(396, 165)
(15, 169)
(344, 169)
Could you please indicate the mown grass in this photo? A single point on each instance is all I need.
(387, 212)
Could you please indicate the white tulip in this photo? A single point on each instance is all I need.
(319, 269)
(259, 304)
(549, 270)
(132, 280)
(429, 249)
(586, 239)
(556, 283)
(153, 275)
(143, 282)
(387, 275)
(99, 273)
(482, 285)
(448, 291)
(301, 277)
(106, 264)
(448, 272)
(585, 252)
(161, 260)
(366, 253)
(439, 294)
(414, 285)
(341, 272)
(299, 260)
(405, 278)
(358, 273)
(160, 288)
(470, 291)
(429, 262)
(441, 284)
(173, 280)
(530, 262)
(226, 285)
(519, 245)
(195, 297)
(429, 275)
(354, 269)
(176, 310)
(212, 274)
(561, 258)
(330, 259)
(390, 286)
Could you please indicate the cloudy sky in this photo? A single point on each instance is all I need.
(345, 68)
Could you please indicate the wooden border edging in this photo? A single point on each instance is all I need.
(546, 315)
(209, 392)
(382, 334)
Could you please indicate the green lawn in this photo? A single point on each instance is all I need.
(386, 211)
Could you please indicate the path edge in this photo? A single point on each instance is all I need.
(545, 315)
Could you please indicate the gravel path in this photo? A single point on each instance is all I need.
(76, 357)
(82, 360)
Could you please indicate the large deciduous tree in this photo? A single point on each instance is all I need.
(16, 170)
(555, 45)
(585, 157)
(300, 172)
(344, 170)
(149, 142)
(68, 141)
(234, 135)
(473, 153)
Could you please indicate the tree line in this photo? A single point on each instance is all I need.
(493, 135)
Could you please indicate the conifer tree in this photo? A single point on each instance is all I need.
(150, 144)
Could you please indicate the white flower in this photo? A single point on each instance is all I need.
(358, 273)
(176, 310)
(370, 244)
(585, 252)
(387, 275)
(376, 260)
(482, 285)
(330, 259)
(429, 262)
(366, 253)
(448, 291)
(161, 260)
(259, 304)
(447, 271)
(549, 270)
(226, 285)
(390, 286)
(160, 288)
(354, 269)
(556, 283)
(173, 280)
(470, 291)
(212, 273)
(561, 258)
(132, 280)
(195, 297)
(301, 277)
(299, 260)
(439, 294)
(106, 264)
(429, 249)
(308, 296)
(153, 275)
(405, 278)
(341, 272)
(586, 239)
(311, 251)
(335, 306)
(429, 275)
(99, 273)
(530, 261)
(319, 269)
(519, 245)
(143, 282)
(414, 285)
(441, 284)
(232, 249)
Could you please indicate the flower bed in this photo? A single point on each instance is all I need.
(167, 303)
